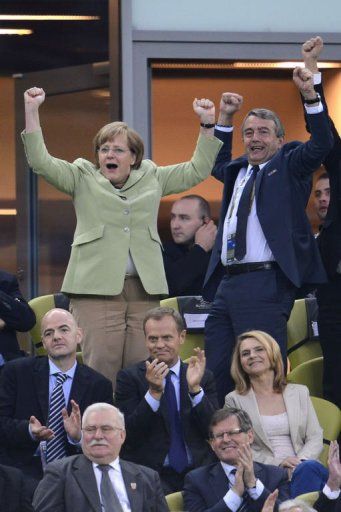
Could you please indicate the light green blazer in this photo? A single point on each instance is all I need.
(111, 222)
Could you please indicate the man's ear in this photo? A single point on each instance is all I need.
(182, 336)
(79, 335)
(250, 436)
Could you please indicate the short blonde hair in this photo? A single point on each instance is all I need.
(241, 378)
(110, 131)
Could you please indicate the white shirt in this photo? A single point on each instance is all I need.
(116, 478)
(232, 499)
(257, 248)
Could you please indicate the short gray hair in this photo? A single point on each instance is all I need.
(288, 504)
(103, 406)
(222, 414)
(161, 312)
(264, 113)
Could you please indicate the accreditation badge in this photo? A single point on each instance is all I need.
(231, 245)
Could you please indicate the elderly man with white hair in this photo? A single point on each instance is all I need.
(98, 480)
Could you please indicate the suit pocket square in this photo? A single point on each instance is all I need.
(272, 172)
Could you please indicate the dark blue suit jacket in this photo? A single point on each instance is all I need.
(24, 392)
(185, 268)
(282, 191)
(15, 312)
(206, 487)
(148, 434)
(329, 239)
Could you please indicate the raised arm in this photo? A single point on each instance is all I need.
(205, 110)
(230, 104)
(311, 51)
(33, 98)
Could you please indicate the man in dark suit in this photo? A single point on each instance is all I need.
(99, 479)
(14, 496)
(329, 241)
(186, 257)
(26, 388)
(15, 315)
(264, 248)
(167, 404)
(235, 482)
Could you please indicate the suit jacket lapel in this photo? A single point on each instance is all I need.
(85, 477)
(251, 407)
(183, 392)
(79, 385)
(292, 406)
(134, 486)
(41, 374)
(219, 482)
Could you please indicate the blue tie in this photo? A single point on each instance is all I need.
(177, 451)
(56, 447)
(243, 212)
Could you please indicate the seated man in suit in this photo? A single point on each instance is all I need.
(186, 257)
(14, 495)
(99, 479)
(235, 482)
(41, 399)
(15, 315)
(167, 404)
(329, 499)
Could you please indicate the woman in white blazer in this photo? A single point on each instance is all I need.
(286, 429)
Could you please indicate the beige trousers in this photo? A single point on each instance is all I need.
(112, 327)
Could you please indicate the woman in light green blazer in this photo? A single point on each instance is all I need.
(115, 272)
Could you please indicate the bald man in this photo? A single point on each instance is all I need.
(37, 405)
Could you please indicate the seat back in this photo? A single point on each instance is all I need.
(329, 416)
(309, 498)
(302, 344)
(40, 306)
(192, 340)
(310, 374)
(175, 502)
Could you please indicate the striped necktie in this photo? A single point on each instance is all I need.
(56, 447)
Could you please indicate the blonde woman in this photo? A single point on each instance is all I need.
(286, 429)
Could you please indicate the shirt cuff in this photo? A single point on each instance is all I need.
(232, 500)
(314, 110)
(195, 400)
(317, 78)
(75, 443)
(152, 402)
(331, 495)
(33, 437)
(255, 492)
(224, 128)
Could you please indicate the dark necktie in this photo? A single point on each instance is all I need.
(245, 503)
(177, 450)
(109, 498)
(56, 447)
(243, 212)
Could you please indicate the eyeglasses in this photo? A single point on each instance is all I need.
(117, 151)
(104, 429)
(229, 433)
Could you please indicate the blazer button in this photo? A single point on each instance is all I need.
(126, 212)
(126, 229)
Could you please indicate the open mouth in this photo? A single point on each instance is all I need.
(111, 166)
